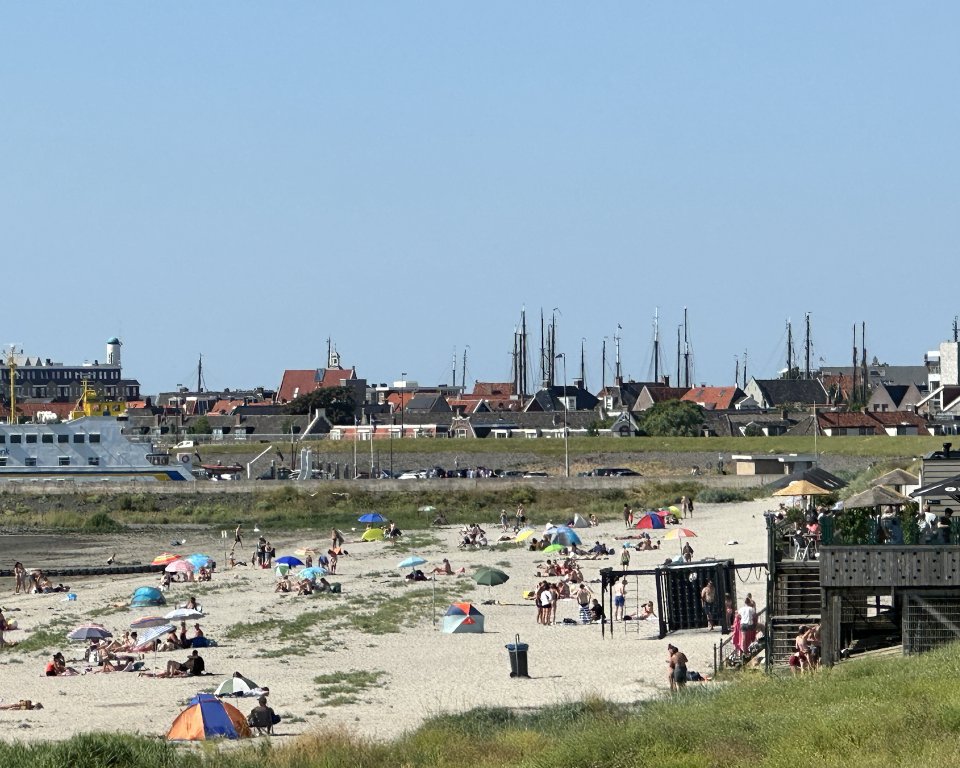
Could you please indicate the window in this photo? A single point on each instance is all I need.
(94, 437)
(31, 437)
(93, 461)
(3, 461)
(78, 437)
(30, 461)
(16, 438)
(64, 461)
(3, 439)
(46, 437)
(63, 438)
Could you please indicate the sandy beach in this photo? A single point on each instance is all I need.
(413, 674)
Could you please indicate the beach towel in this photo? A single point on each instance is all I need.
(584, 614)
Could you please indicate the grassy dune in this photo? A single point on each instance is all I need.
(884, 712)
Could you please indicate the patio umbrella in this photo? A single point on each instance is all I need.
(235, 686)
(152, 634)
(184, 614)
(802, 488)
(89, 632)
(949, 487)
(411, 562)
(166, 557)
(524, 534)
(650, 520)
(180, 566)
(288, 560)
(552, 548)
(490, 577)
(199, 560)
(372, 517)
(148, 622)
(876, 497)
(312, 573)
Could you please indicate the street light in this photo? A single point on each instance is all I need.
(566, 440)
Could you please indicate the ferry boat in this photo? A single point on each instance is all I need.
(87, 447)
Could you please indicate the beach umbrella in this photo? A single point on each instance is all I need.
(89, 632)
(650, 520)
(372, 517)
(674, 509)
(552, 548)
(680, 533)
(490, 577)
(282, 570)
(166, 557)
(235, 686)
(802, 488)
(152, 634)
(312, 573)
(411, 562)
(148, 622)
(199, 560)
(184, 614)
(288, 560)
(180, 566)
(524, 534)
(374, 534)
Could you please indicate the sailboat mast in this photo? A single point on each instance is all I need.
(616, 338)
(686, 351)
(463, 371)
(583, 364)
(744, 369)
(603, 364)
(806, 349)
(789, 350)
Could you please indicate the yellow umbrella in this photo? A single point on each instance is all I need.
(680, 533)
(802, 488)
(166, 557)
(372, 534)
(525, 534)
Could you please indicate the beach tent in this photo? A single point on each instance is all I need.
(207, 717)
(373, 534)
(650, 520)
(579, 521)
(147, 596)
(462, 617)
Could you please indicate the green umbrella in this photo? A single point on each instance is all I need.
(490, 577)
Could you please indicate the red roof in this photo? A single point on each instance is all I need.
(299, 382)
(225, 407)
(493, 389)
(896, 418)
(846, 420)
(714, 398)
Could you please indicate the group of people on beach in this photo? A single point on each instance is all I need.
(36, 582)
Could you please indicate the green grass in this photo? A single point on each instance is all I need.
(864, 714)
(342, 688)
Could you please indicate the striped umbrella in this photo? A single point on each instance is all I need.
(152, 634)
(147, 622)
(312, 573)
(166, 557)
(180, 566)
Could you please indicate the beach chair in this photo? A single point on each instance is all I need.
(260, 722)
(804, 546)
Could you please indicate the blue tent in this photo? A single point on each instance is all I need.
(207, 717)
(147, 596)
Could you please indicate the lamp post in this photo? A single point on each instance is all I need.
(373, 432)
(393, 424)
(566, 440)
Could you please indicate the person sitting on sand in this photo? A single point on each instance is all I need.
(170, 643)
(193, 666)
(57, 667)
(304, 587)
(646, 611)
(4, 627)
(23, 704)
(323, 585)
(445, 569)
(204, 575)
(283, 584)
(594, 522)
(440, 519)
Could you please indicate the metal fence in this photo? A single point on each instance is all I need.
(929, 621)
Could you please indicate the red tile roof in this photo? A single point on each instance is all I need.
(300, 382)
(714, 398)
(493, 389)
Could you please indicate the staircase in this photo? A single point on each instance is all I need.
(796, 601)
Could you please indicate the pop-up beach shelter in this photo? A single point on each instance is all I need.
(147, 596)
(207, 717)
(462, 617)
(579, 521)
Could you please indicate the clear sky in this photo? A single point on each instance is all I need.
(245, 179)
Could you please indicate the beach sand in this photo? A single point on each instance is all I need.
(420, 671)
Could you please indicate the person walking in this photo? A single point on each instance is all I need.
(237, 539)
(625, 557)
(627, 514)
(708, 597)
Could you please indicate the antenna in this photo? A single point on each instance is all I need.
(12, 366)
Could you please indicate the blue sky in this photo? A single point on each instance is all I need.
(243, 180)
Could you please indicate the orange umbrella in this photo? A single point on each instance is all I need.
(166, 557)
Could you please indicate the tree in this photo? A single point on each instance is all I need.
(200, 427)
(337, 402)
(673, 418)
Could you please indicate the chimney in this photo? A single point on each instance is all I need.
(666, 379)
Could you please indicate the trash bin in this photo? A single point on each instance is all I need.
(518, 658)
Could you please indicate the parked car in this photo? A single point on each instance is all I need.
(535, 474)
(413, 474)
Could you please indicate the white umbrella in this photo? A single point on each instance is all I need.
(184, 614)
(152, 634)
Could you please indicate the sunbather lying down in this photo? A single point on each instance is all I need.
(23, 704)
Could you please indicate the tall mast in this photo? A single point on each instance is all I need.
(200, 375)
(523, 353)
(853, 384)
(454, 367)
(744, 369)
(616, 338)
(736, 369)
(955, 329)
(679, 328)
(789, 350)
(686, 351)
(543, 352)
(656, 344)
(583, 364)
(603, 364)
(806, 350)
(12, 365)
(463, 371)
(553, 347)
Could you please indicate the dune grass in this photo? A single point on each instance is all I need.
(867, 713)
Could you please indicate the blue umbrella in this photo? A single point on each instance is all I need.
(89, 632)
(411, 562)
(372, 517)
(312, 573)
(288, 560)
(200, 561)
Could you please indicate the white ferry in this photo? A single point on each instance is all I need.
(88, 448)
